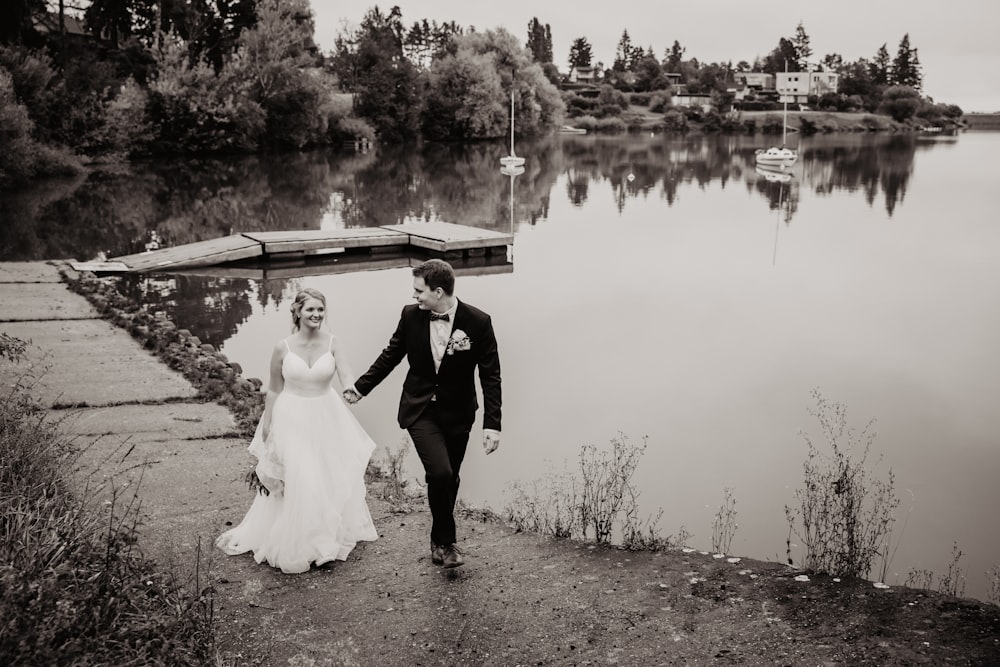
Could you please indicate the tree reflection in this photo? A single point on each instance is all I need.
(212, 308)
(114, 212)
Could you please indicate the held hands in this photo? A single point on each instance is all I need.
(351, 396)
(491, 440)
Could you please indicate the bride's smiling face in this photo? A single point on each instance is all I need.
(312, 314)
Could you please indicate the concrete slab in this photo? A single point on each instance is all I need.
(29, 272)
(189, 489)
(90, 363)
(23, 301)
(149, 423)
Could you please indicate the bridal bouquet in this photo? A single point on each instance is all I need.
(254, 483)
(459, 342)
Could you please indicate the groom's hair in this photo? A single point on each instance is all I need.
(436, 273)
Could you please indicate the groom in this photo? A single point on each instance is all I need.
(444, 340)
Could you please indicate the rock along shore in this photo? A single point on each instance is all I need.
(143, 397)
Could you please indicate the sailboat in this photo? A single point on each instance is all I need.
(512, 160)
(774, 156)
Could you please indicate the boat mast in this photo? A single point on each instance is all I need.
(512, 119)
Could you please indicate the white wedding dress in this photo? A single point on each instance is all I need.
(313, 463)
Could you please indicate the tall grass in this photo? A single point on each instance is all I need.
(724, 524)
(74, 588)
(599, 503)
(844, 516)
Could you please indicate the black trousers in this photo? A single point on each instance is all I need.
(441, 451)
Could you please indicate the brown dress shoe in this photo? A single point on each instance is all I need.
(451, 556)
(437, 554)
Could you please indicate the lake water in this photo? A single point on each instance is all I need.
(657, 288)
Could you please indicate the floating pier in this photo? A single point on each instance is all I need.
(443, 239)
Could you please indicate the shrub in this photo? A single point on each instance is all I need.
(675, 121)
(659, 102)
(772, 124)
(74, 590)
(844, 516)
(598, 504)
(611, 126)
(807, 127)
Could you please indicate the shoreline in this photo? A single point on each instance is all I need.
(520, 598)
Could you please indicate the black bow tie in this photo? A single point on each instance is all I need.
(444, 317)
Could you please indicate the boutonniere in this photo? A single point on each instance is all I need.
(459, 342)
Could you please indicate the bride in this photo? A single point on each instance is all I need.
(311, 455)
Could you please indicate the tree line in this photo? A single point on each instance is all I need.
(164, 77)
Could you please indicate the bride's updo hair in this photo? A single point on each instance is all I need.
(304, 294)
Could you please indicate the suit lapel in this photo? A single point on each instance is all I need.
(459, 323)
(423, 338)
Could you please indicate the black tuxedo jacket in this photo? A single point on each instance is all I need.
(453, 385)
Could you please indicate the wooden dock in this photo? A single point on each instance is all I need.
(442, 239)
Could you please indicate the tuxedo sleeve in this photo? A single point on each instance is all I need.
(390, 357)
(489, 377)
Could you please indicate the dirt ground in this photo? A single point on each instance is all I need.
(525, 599)
(521, 599)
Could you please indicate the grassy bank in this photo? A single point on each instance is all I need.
(640, 119)
(74, 587)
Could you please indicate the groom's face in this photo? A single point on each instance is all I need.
(427, 299)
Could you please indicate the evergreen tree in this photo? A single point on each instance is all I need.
(539, 41)
(674, 57)
(624, 54)
(580, 53)
(879, 68)
(802, 48)
(906, 66)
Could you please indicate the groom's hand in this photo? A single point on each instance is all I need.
(491, 440)
(351, 396)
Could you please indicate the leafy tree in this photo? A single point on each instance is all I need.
(879, 67)
(193, 109)
(426, 40)
(783, 57)
(832, 62)
(112, 18)
(370, 63)
(900, 102)
(465, 98)
(580, 53)
(856, 78)
(649, 75)
(540, 41)
(674, 57)
(538, 106)
(906, 65)
(273, 61)
(14, 15)
(802, 48)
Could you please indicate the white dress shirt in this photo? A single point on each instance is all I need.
(440, 333)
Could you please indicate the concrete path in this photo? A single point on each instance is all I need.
(131, 415)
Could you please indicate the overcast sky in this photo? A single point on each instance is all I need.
(956, 40)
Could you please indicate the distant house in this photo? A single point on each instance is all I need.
(798, 86)
(756, 80)
(583, 74)
(703, 102)
(674, 78)
(48, 24)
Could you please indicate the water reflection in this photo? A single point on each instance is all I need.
(116, 212)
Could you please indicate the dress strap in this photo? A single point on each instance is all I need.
(285, 341)
(329, 348)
